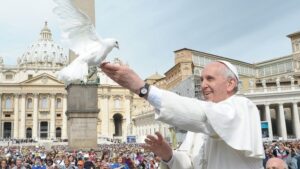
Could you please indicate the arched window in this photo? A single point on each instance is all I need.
(29, 103)
(58, 103)
(8, 104)
(118, 119)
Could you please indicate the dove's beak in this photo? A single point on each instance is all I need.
(117, 45)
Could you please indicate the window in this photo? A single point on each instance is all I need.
(29, 103)
(58, 132)
(28, 133)
(44, 103)
(58, 103)
(29, 115)
(8, 104)
(281, 68)
(30, 76)
(274, 69)
(289, 66)
(58, 115)
(117, 103)
(9, 77)
(44, 129)
(267, 71)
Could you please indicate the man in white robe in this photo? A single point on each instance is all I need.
(230, 122)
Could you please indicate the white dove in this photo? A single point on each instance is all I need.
(80, 33)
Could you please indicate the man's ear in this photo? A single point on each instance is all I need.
(231, 84)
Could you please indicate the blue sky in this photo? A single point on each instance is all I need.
(149, 31)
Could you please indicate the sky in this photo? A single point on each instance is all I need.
(150, 31)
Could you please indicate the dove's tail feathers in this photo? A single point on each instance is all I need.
(76, 71)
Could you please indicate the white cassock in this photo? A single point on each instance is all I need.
(232, 128)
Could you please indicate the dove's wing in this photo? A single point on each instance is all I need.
(78, 30)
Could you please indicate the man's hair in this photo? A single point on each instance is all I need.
(229, 74)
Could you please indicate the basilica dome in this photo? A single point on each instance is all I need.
(44, 51)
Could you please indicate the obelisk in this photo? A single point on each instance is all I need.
(82, 107)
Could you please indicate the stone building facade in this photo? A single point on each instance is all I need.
(33, 102)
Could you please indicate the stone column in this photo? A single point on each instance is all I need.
(128, 116)
(82, 115)
(282, 125)
(16, 115)
(65, 118)
(268, 118)
(22, 127)
(1, 104)
(52, 116)
(296, 123)
(104, 113)
(35, 116)
(1, 113)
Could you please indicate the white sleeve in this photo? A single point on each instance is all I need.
(183, 112)
(154, 97)
(179, 160)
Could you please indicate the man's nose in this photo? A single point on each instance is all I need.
(203, 84)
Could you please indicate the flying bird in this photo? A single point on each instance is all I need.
(80, 34)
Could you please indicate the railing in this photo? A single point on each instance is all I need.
(271, 89)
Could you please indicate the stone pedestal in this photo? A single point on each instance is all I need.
(82, 113)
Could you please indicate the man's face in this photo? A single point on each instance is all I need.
(215, 86)
(3, 164)
(80, 165)
(67, 162)
(275, 163)
(37, 161)
(19, 163)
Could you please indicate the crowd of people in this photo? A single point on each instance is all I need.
(109, 156)
(115, 156)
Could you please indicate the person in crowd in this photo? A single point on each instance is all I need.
(119, 163)
(38, 164)
(12, 163)
(88, 163)
(73, 160)
(4, 164)
(280, 151)
(105, 158)
(80, 164)
(291, 159)
(49, 164)
(98, 163)
(19, 164)
(224, 117)
(276, 163)
(68, 164)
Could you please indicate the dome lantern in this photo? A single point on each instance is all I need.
(46, 34)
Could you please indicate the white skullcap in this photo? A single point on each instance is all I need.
(230, 67)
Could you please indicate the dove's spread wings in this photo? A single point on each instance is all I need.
(78, 30)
